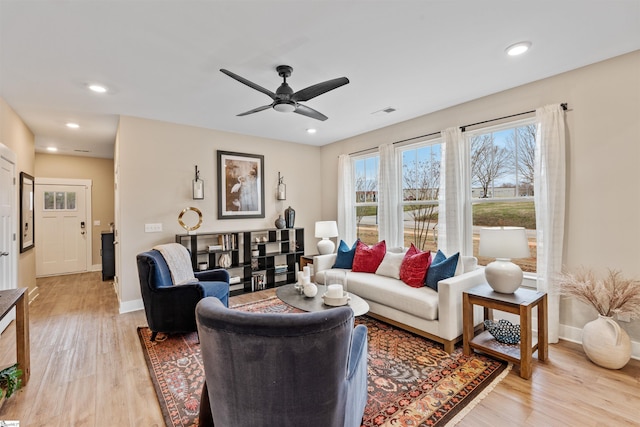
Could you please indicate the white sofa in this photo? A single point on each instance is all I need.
(434, 315)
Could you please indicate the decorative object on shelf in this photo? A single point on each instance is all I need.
(26, 212)
(190, 228)
(224, 261)
(605, 343)
(290, 217)
(202, 266)
(503, 331)
(198, 186)
(325, 230)
(504, 244)
(240, 185)
(280, 223)
(282, 188)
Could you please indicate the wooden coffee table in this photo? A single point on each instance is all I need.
(291, 296)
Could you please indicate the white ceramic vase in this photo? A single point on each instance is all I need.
(224, 261)
(606, 343)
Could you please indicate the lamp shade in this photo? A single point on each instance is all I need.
(326, 229)
(504, 242)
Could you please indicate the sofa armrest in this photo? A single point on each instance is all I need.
(323, 262)
(450, 302)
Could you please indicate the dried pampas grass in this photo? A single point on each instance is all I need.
(612, 295)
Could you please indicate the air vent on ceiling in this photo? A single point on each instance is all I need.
(387, 110)
(82, 151)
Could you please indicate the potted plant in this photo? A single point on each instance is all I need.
(604, 341)
(9, 381)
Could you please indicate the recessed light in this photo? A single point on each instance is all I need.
(52, 149)
(73, 125)
(518, 48)
(311, 130)
(97, 88)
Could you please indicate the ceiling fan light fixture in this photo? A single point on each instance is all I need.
(284, 107)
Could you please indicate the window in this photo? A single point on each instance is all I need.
(502, 163)
(366, 197)
(60, 200)
(420, 190)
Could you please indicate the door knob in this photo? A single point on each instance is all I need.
(4, 253)
(82, 232)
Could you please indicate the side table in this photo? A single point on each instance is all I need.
(520, 303)
(17, 298)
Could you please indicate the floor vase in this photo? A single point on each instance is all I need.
(606, 343)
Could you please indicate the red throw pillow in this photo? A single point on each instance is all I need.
(368, 258)
(414, 267)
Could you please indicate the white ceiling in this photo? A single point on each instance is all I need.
(160, 60)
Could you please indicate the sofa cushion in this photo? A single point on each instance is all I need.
(390, 265)
(368, 258)
(421, 302)
(344, 257)
(414, 267)
(441, 268)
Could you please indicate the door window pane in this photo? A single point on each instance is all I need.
(71, 200)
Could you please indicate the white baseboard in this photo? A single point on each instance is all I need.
(96, 267)
(129, 306)
(573, 334)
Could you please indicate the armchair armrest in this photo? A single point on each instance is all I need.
(450, 302)
(323, 262)
(218, 275)
(356, 377)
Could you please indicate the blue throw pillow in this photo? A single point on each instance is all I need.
(344, 258)
(441, 268)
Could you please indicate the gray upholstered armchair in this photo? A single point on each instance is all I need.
(268, 369)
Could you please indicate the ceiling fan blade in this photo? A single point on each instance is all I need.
(318, 89)
(255, 110)
(310, 112)
(249, 83)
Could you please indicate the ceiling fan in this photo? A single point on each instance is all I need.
(285, 99)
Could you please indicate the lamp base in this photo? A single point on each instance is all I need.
(503, 276)
(326, 246)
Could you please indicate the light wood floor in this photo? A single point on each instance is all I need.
(87, 369)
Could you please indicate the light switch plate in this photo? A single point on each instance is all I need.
(152, 228)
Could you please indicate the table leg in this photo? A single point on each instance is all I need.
(22, 338)
(467, 323)
(525, 341)
(543, 330)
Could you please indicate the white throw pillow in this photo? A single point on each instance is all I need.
(390, 265)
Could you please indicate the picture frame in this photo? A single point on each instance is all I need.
(27, 189)
(240, 185)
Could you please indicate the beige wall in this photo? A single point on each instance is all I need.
(603, 192)
(100, 172)
(17, 136)
(155, 165)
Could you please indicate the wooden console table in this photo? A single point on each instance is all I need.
(18, 298)
(520, 303)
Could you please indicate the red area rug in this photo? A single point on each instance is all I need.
(412, 381)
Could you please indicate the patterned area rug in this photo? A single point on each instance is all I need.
(412, 381)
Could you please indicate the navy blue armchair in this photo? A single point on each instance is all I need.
(278, 369)
(169, 308)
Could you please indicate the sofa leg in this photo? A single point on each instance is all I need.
(153, 336)
(449, 346)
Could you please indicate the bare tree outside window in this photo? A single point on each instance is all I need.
(523, 143)
(489, 162)
(421, 183)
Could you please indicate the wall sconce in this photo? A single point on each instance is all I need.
(282, 189)
(198, 186)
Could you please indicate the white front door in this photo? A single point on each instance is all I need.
(61, 229)
(8, 222)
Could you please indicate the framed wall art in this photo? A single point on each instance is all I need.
(240, 185)
(26, 212)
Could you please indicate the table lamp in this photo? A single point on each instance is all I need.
(504, 244)
(325, 230)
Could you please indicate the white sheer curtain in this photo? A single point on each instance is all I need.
(390, 221)
(453, 222)
(346, 212)
(549, 195)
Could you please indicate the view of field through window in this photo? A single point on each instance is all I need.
(501, 163)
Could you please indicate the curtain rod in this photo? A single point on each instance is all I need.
(462, 128)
